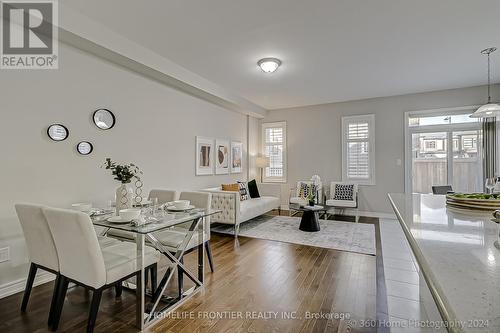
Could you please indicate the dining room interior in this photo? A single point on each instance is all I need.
(232, 166)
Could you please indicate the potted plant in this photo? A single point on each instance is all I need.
(124, 173)
(310, 198)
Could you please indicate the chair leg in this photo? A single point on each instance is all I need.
(29, 286)
(236, 230)
(208, 249)
(118, 289)
(180, 278)
(94, 309)
(53, 303)
(154, 277)
(61, 295)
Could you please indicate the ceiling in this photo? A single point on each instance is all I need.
(332, 50)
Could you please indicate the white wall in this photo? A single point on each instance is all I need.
(314, 138)
(156, 129)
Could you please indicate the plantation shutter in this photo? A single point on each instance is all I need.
(274, 148)
(357, 150)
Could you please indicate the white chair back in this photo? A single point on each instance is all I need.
(200, 200)
(41, 247)
(80, 257)
(164, 195)
(354, 190)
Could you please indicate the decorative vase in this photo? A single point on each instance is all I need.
(124, 197)
(311, 202)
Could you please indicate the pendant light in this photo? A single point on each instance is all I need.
(489, 109)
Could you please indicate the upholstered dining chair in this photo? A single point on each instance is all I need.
(83, 262)
(164, 196)
(41, 249)
(172, 238)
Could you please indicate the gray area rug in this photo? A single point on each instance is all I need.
(337, 235)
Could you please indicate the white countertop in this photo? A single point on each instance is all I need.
(455, 250)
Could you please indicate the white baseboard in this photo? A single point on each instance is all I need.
(350, 211)
(16, 286)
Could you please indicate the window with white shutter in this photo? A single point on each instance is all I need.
(358, 149)
(274, 147)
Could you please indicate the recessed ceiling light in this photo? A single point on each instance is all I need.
(269, 65)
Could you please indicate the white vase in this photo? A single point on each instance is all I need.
(124, 197)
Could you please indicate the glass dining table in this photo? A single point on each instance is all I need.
(159, 305)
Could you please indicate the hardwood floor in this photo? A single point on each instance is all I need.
(254, 278)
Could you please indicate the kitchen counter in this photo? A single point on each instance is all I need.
(457, 257)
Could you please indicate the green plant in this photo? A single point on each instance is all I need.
(123, 173)
(310, 195)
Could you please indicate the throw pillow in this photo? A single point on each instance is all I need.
(253, 190)
(305, 189)
(231, 187)
(344, 192)
(243, 191)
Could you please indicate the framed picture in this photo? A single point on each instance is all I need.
(236, 156)
(204, 156)
(221, 157)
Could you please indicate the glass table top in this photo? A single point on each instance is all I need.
(169, 219)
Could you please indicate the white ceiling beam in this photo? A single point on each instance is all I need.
(82, 32)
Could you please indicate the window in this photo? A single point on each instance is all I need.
(442, 149)
(358, 149)
(274, 147)
(430, 144)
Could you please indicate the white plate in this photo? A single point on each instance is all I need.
(175, 209)
(117, 220)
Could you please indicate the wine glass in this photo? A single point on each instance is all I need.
(490, 184)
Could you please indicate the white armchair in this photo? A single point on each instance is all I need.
(299, 197)
(342, 196)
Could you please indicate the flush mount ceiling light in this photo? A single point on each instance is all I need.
(269, 65)
(489, 109)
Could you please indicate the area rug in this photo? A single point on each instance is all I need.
(337, 235)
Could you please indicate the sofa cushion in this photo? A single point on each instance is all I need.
(257, 206)
(253, 190)
(299, 201)
(341, 203)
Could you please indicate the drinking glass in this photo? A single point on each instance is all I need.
(153, 206)
(111, 205)
(490, 184)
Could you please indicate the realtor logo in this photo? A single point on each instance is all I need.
(29, 34)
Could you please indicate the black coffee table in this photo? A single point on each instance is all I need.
(310, 216)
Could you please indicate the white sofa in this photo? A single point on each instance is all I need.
(235, 211)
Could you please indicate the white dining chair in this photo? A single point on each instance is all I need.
(41, 249)
(173, 238)
(164, 196)
(83, 262)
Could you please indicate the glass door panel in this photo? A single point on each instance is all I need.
(429, 161)
(467, 163)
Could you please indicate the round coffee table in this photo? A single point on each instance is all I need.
(310, 217)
